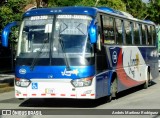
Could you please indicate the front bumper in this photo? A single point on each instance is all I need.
(57, 88)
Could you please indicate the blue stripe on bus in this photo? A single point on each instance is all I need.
(57, 72)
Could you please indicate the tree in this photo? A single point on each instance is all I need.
(59, 3)
(11, 11)
(136, 8)
(42, 3)
(115, 4)
(153, 11)
(86, 3)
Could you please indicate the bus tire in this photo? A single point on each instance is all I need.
(113, 90)
(146, 84)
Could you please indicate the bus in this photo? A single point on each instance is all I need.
(82, 53)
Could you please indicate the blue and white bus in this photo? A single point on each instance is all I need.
(82, 53)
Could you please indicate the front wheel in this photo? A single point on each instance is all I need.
(113, 90)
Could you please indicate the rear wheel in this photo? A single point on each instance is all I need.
(147, 83)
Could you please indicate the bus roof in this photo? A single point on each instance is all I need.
(149, 21)
(91, 11)
(62, 10)
(109, 10)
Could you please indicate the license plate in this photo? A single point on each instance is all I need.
(49, 91)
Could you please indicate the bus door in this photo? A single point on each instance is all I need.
(100, 56)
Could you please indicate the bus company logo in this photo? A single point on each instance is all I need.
(114, 57)
(69, 73)
(22, 71)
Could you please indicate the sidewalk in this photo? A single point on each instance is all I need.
(7, 78)
(6, 82)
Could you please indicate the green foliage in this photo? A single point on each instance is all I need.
(115, 4)
(153, 11)
(59, 3)
(136, 8)
(11, 11)
(86, 3)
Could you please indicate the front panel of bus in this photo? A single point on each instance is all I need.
(55, 57)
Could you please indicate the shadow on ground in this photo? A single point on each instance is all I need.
(69, 103)
(133, 90)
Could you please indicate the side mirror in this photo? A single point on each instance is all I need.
(6, 31)
(93, 32)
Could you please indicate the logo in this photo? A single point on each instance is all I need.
(69, 73)
(22, 71)
(34, 85)
(6, 112)
(114, 57)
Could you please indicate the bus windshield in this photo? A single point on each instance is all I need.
(55, 35)
(34, 32)
(71, 31)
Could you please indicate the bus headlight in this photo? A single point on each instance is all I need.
(22, 82)
(82, 82)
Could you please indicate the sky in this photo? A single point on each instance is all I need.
(146, 1)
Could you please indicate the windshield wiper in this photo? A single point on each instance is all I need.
(60, 40)
(37, 55)
(64, 53)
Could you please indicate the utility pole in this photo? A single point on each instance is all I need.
(96, 2)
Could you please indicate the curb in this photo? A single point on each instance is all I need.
(6, 82)
(6, 89)
(3, 85)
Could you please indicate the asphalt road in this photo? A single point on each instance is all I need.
(135, 98)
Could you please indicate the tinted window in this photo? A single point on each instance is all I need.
(108, 30)
(128, 32)
(136, 34)
(119, 37)
(143, 33)
(154, 35)
(149, 35)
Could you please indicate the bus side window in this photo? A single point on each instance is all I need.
(100, 39)
(143, 34)
(149, 35)
(127, 25)
(136, 34)
(146, 34)
(119, 37)
(154, 35)
(108, 30)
